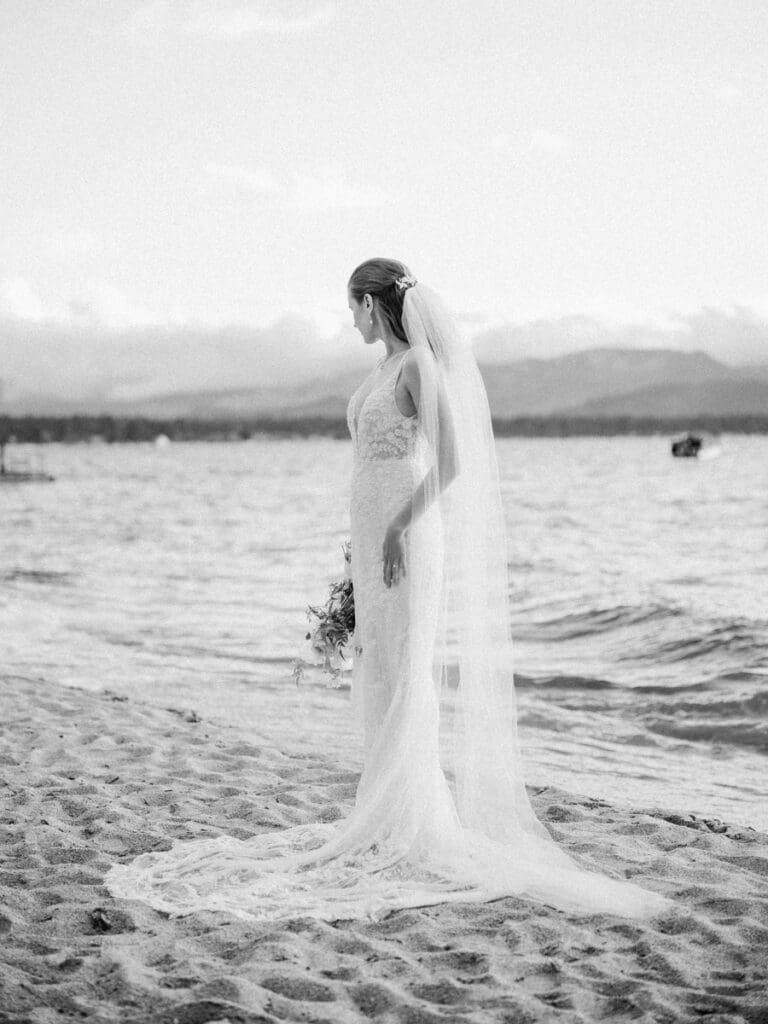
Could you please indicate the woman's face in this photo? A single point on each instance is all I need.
(362, 317)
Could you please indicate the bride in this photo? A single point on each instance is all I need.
(441, 811)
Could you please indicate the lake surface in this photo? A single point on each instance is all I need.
(181, 574)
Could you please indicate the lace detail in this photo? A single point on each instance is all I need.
(376, 425)
(391, 457)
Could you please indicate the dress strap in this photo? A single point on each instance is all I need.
(397, 362)
(396, 376)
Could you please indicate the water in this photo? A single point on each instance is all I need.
(639, 586)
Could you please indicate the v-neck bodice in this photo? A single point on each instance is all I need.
(377, 427)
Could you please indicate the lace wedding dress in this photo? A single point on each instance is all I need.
(404, 843)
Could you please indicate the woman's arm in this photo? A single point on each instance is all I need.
(438, 478)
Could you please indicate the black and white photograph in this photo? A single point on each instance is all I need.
(383, 511)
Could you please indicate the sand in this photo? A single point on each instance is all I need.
(88, 779)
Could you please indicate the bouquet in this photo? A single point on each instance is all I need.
(332, 636)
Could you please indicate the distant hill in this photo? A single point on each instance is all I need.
(319, 398)
(725, 397)
(42, 372)
(755, 370)
(595, 382)
(565, 383)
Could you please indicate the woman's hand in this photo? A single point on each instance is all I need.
(393, 554)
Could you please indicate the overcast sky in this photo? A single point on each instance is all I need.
(206, 162)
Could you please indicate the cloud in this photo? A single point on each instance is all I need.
(325, 187)
(726, 93)
(243, 182)
(99, 344)
(97, 303)
(84, 365)
(215, 19)
(156, 21)
(72, 246)
(101, 306)
(504, 143)
(101, 303)
(328, 188)
(738, 334)
(539, 140)
(20, 301)
(149, 24)
(543, 141)
(735, 336)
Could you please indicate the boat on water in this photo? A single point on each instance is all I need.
(695, 445)
(21, 471)
(687, 447)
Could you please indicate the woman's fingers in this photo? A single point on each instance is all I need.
(393, 566)
(393, 572)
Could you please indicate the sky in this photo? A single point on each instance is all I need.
(586, 172)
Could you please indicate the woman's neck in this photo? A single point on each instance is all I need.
(394, 346)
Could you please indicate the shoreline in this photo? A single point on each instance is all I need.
(127, 428)
(89, 778)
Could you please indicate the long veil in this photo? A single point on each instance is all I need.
(473, 652)
(473, 657)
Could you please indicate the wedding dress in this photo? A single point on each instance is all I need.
(441, 811)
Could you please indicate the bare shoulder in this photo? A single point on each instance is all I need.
(407, 386)
(413, 366)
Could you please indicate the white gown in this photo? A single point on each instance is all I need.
(403, 845)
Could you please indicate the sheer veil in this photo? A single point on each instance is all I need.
(473, 660)
(473, 653)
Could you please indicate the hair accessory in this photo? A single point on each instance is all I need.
(406, 281)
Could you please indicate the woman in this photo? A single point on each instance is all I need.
(441, 812)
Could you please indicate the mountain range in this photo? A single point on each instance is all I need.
(597, 382)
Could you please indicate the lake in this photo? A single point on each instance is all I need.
(180, 575)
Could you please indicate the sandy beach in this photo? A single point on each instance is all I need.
(93, 778)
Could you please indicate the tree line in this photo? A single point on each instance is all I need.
(118, 429)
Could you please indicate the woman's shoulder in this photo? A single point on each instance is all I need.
(418, 363)
(416, 360)
(409, 368)
(417, 367)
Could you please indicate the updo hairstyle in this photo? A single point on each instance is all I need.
(377, 278)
